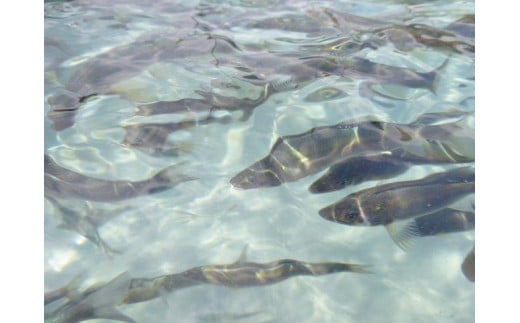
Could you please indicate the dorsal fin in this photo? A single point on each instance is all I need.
(243, 255)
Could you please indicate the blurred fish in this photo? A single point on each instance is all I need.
(468, 266)
(69, 291)
(294, 157)
(238, 274)
(86, 223)
(381, 205)
(99, 73)
(64, 183)
(95, 303)
(211, 102)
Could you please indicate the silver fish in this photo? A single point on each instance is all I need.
(238, 274)
(294, 157)
(381, 205)
(64, 183)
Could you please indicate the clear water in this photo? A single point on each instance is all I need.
(207, 221)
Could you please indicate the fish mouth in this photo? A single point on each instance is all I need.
(328, 213)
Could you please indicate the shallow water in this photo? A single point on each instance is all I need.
(207, 221)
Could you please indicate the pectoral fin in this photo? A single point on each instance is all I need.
(403, 233)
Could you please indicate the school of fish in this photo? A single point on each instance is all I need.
(368, 150)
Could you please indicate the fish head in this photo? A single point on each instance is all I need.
(346, 211)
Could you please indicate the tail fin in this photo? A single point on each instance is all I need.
(102, 302)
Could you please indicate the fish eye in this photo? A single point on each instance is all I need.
(352, 214)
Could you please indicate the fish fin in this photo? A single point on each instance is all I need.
(243, 255)
(403, 233)
(163, 293)
(434, 86)
(101, 303)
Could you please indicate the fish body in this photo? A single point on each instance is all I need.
(236, 275)
(294, 157)
(384, 204)
(94, 303)
(63, 183)
(388, 164)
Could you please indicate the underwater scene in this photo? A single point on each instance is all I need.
(259, 161)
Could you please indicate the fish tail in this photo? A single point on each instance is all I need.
(104, 300)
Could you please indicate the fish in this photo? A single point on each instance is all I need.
(391, 163)
(211, 102)
(468, 265)
(358, 169)
(239, 274)
(87, 222)
(97, 302)
(384, 204)
(64, 183)
(296, 156)
(99, 73)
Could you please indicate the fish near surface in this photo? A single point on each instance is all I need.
(236, 275)
(97, 76)
(388, 164)
(61, 182)
(296, 156)
(381, 205)
(86, 223)
(95, 303)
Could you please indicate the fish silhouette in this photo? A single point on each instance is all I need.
(61, 182)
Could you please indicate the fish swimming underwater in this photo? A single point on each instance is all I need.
(100, 73)
(381, 205)
(97, 302)
(64, 183)
(236, 275)
(296, 156)
(87, 222)
(388, 164)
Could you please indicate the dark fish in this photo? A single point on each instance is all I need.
(356, 170)
(64, 183)
(95, 303)
(457, 37)
(294, 157)
(153, 137)
(468, 266)
(324, 94)
(211, 102)
(123, 62)
(381, 205)
(238, 274)
(357, 67)
(388, 164)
